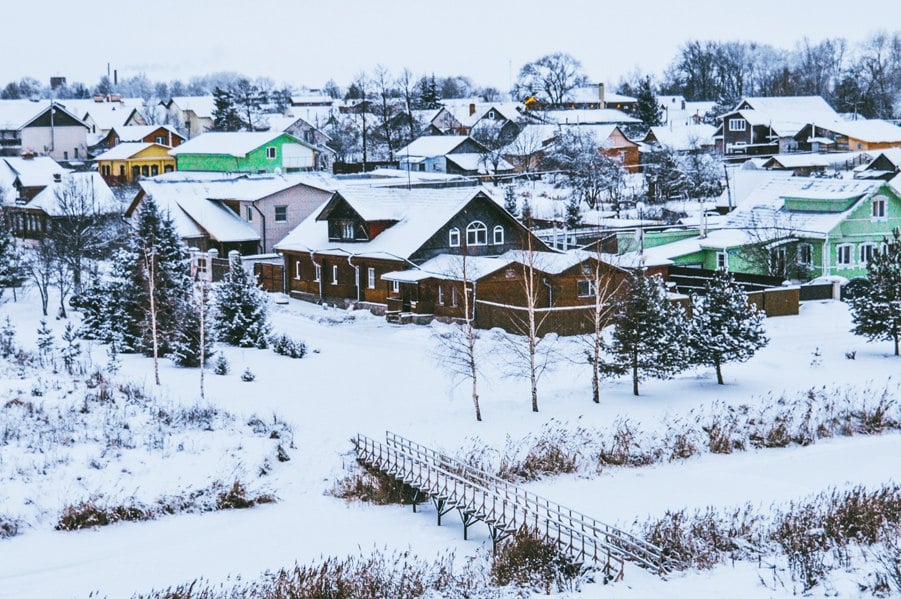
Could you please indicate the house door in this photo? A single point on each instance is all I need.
(408, 296)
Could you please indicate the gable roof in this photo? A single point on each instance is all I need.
(127, 133)
(202, 106)
(816, 160)
(417, 213)
(869, 130)
(429, 146)
(17, 114)
(30, 172)
(684, 137)
(127, 150)
(233, 143)
(106, 114)
(588, 116)
(105, 201)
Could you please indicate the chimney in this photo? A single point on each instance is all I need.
(115, 76)
(57, 177)
(602, 96)
(683, 104)
(472, 109)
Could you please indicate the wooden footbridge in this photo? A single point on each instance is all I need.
(505, 507)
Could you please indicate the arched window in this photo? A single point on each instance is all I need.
(453, 237)
(476, 233)
(498, 236)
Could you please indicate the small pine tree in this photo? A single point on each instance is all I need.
(10, 268)
(71, 350)
(248, 376)
(225, 113)
(573, 212)
(221, 366)
(113, 364)
(45, 343)
(7, 338)
(650, 337)
(724, 327)
(241, 317)
(647, 108)
(186, 344)
(510, 204)
(876, 310)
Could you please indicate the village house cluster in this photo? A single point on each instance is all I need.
(807, 195)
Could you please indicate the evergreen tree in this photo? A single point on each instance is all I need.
(647, 107)
(71, 351)
(241, 317)
(7, 338)
(876, 310)
(526, 215)
(724, 327)
(650, 337)
(45, 343)
(225, 114)
(428, 93)
(186, 344)
(510, 201)
(573, 212)
(10, 267)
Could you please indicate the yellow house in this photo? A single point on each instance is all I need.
(128, 162)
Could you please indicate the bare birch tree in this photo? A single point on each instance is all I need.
(602, 285)
(149, 257)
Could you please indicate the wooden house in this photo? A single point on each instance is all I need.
(128, 162)
(162, 135)
(42, 128)
(451, 154)
(848, 136)
(193, 114)
(245, 152)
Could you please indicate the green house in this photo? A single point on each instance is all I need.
(266, 152)
(798, 228)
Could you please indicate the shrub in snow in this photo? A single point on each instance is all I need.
(248, 376)
(241, 317)
(71, 350)
(529, 560)
(285, 346)
(9, 527)
(7, 338)
(220, 366)
(45, 344)
(365, 483)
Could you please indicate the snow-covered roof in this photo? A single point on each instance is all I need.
(232, 143)
(892, 154)
(15, 114)
(91, 184)
(106, 115)
(744, 181)
(417, 215)
(431, 145)
(228, 186)
(684, 137)
(813, 106)
(477, 163)
(815, 160)
(450, 267)
(588, 117)
(869, 130)
(590, 93)
(124, 151)
(127, 133)
(31, 172)
(202, 106)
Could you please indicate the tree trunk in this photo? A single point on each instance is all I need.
(634, 374)
(719, 372)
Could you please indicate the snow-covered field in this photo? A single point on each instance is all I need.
(367, 376)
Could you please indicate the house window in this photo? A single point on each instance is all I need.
(249, 213)
(270, 152)
(722, 260)
(476, 233)
(371, 278)
(145, 171)
(154, 170)
(738, 125)
(805, 254)
(440, 295)
(845, 254)
(867, 251)
(454, 299)
(318, 273)
(490, 114)
(453, 237)
(778, 257)
(168, 168)
(76, 153)
(297, 269)
(498, 235)
(878, 208)
(347, 229)
(335, 274)
(65, 155)
(281, 214)
(395, 286)
(159, 139)
(586, 288)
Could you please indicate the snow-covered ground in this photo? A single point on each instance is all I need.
(368, 376)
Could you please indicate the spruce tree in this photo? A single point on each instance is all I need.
(724, 327)
(240, 308)
(10, 268)
(428, 93)
(71, 350)
(45, 344)
(225, 113)
(647, 108)
(510, 201)
(650, 337)
(7, 338)
(573, 212)
(876, 310)
(186, 343)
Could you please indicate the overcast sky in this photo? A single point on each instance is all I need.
(306, 43)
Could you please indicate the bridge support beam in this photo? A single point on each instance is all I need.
(441, 507)
(416, 495)
(497, 537)
(468, 519)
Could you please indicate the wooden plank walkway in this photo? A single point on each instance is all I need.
(505, 507)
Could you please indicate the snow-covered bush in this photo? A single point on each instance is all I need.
(248, 376)
(531, 561)
(241, 317)
(285, 346)
(364, 483)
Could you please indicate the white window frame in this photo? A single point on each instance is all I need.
(318, 273)
(722, 260)
(474, 231)
(455, 299)
(370, 278)
(395, 286)
(334, 274)
(497, 235)
(440, 295)
(271, 153)
(591, 290)
(878, 208)
(863, 260)
(738, 124)
(453, 237)
(347, 229)
(839, 250)
(808, 249)
(276, 218)
(249, 214)
(297, 270)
